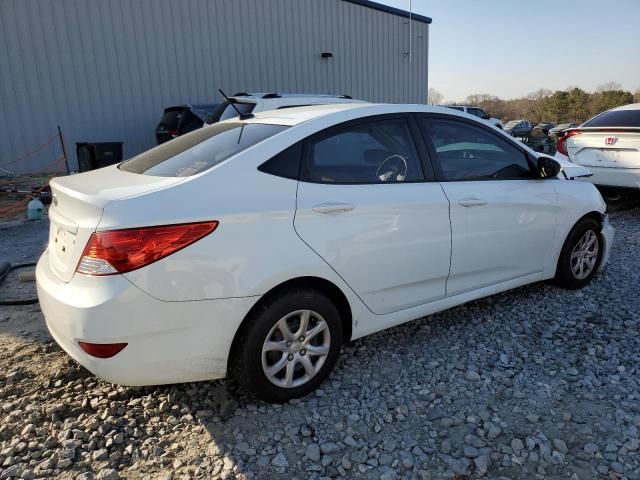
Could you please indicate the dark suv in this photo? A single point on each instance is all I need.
(182, 119)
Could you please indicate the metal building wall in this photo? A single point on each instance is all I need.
(104, 70)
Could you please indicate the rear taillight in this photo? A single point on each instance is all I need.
(561, 146)
(102, 350)
(120, 251)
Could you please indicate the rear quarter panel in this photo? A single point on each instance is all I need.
(253, 249)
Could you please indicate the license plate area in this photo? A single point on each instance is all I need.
(605, 157)
(62, 242)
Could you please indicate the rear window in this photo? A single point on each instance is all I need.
(616, 118)
(200, 150)
(225, 111)
(171, 118)
(189, 122)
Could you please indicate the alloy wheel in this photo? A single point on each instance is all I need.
(585, 255)
(296, 348)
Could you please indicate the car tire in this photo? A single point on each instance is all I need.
(579, 261)
(276, 357)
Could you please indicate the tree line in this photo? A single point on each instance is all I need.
(570, 105)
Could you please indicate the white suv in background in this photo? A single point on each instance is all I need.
(249, 103)
(478, 112)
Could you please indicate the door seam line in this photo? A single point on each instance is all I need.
(321, 258)
(446, 283)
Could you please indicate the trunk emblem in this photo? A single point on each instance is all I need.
(610, 140)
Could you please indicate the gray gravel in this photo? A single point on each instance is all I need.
(534, 383)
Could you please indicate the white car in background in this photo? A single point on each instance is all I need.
(608, 145)
(477, 112)
(249, 103)
(257, 247)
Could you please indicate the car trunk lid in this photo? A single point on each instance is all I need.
(77, 207)
(606, 148)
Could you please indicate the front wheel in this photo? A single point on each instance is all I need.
(581, 255)
(288, 346)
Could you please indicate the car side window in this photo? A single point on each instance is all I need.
(380, 151)
(467, 152)
(285, 164)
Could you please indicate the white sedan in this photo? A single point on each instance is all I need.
(257, 247)
(608, 145)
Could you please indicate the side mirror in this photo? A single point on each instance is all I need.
(547, 167)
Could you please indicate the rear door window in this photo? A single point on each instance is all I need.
(200, 150)
(380, 151)
(616, 118)
(286, 164)
(477, 112)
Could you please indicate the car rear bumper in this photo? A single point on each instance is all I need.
(167, 342)
(615, 177)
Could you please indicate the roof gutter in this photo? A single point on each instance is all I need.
(394, 11)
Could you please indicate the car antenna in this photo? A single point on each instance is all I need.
(243, 116)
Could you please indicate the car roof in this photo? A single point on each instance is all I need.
(297, 115)
(255, 96)
(630, 106)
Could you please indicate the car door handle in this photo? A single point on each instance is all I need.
(331, 207)
(472, 202)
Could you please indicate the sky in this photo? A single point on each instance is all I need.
(510, 48)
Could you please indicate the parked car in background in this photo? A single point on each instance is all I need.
(257, 247)
(478, 112)
(182, 119)
(608, 145)
(544, 127)
(259, 102)
(561, 127)
(518, 128)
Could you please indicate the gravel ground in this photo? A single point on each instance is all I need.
(534, 383)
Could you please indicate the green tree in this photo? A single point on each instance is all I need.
(610, 99)
(571, 104)
(578, 105)
(557, 106)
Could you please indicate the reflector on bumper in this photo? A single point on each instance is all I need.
(102, 350)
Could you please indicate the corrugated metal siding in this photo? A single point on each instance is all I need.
(104, 71)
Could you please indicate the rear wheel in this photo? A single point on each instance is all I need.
(581, 255)
(288, 347)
